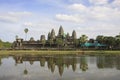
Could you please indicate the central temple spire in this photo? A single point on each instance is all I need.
(61, 31)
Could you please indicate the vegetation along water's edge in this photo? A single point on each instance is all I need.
(79, 52)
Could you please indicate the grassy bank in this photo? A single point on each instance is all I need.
(34, 52)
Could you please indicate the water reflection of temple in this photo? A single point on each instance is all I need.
(65, 62)
(108, 61)
(60, 61)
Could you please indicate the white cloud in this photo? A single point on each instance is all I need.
(104, 13)
(78, 7)
(100, 27)
(96, 12)
(71, 18)
(98, 19)
(116, 3)
(40, 26)
(28, 24)
(98, 2)
(91, 18)
(83, 13)
(96, 29)
(19, 14)
(8, 19)
(13, 17)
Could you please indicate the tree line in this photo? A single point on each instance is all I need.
(5, 44)
(64, 40)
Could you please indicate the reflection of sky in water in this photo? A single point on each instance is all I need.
(9, 70)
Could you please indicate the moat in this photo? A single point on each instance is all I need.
(59, 67)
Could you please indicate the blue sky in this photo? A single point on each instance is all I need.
(90, 17)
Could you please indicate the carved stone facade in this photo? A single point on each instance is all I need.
(62, 40)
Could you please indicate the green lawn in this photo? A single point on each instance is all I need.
(34, 52)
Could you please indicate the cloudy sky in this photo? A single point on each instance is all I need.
(90, 17)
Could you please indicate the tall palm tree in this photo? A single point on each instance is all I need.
(16, 36)
(26, 31)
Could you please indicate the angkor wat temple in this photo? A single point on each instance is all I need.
(62, 40)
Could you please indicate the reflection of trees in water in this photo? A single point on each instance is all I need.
(108, 61)
(100, 61)
(0, 61)
(53, 61)
(25, 71)
(83, 63)
(53, 67)
(50, 62)
(118, 62)
(60, 65)
(61, 69)
(42, 61)
(65, 61)
(68, 62)
(18, 59)
(74, 62)
(31, 62)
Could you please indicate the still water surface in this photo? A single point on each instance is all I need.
(60, 67)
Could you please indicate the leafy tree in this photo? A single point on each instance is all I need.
(117, 37)
(83, 39)
(50, 41)
(100, 38)
(76, 42)
(117, 41)
(109, 41)
(91, 41)
(1, 43)
(59, 42)
(5, 44)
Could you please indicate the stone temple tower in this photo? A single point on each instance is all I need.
(61, 31)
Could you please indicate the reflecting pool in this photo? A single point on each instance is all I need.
(60, 67)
